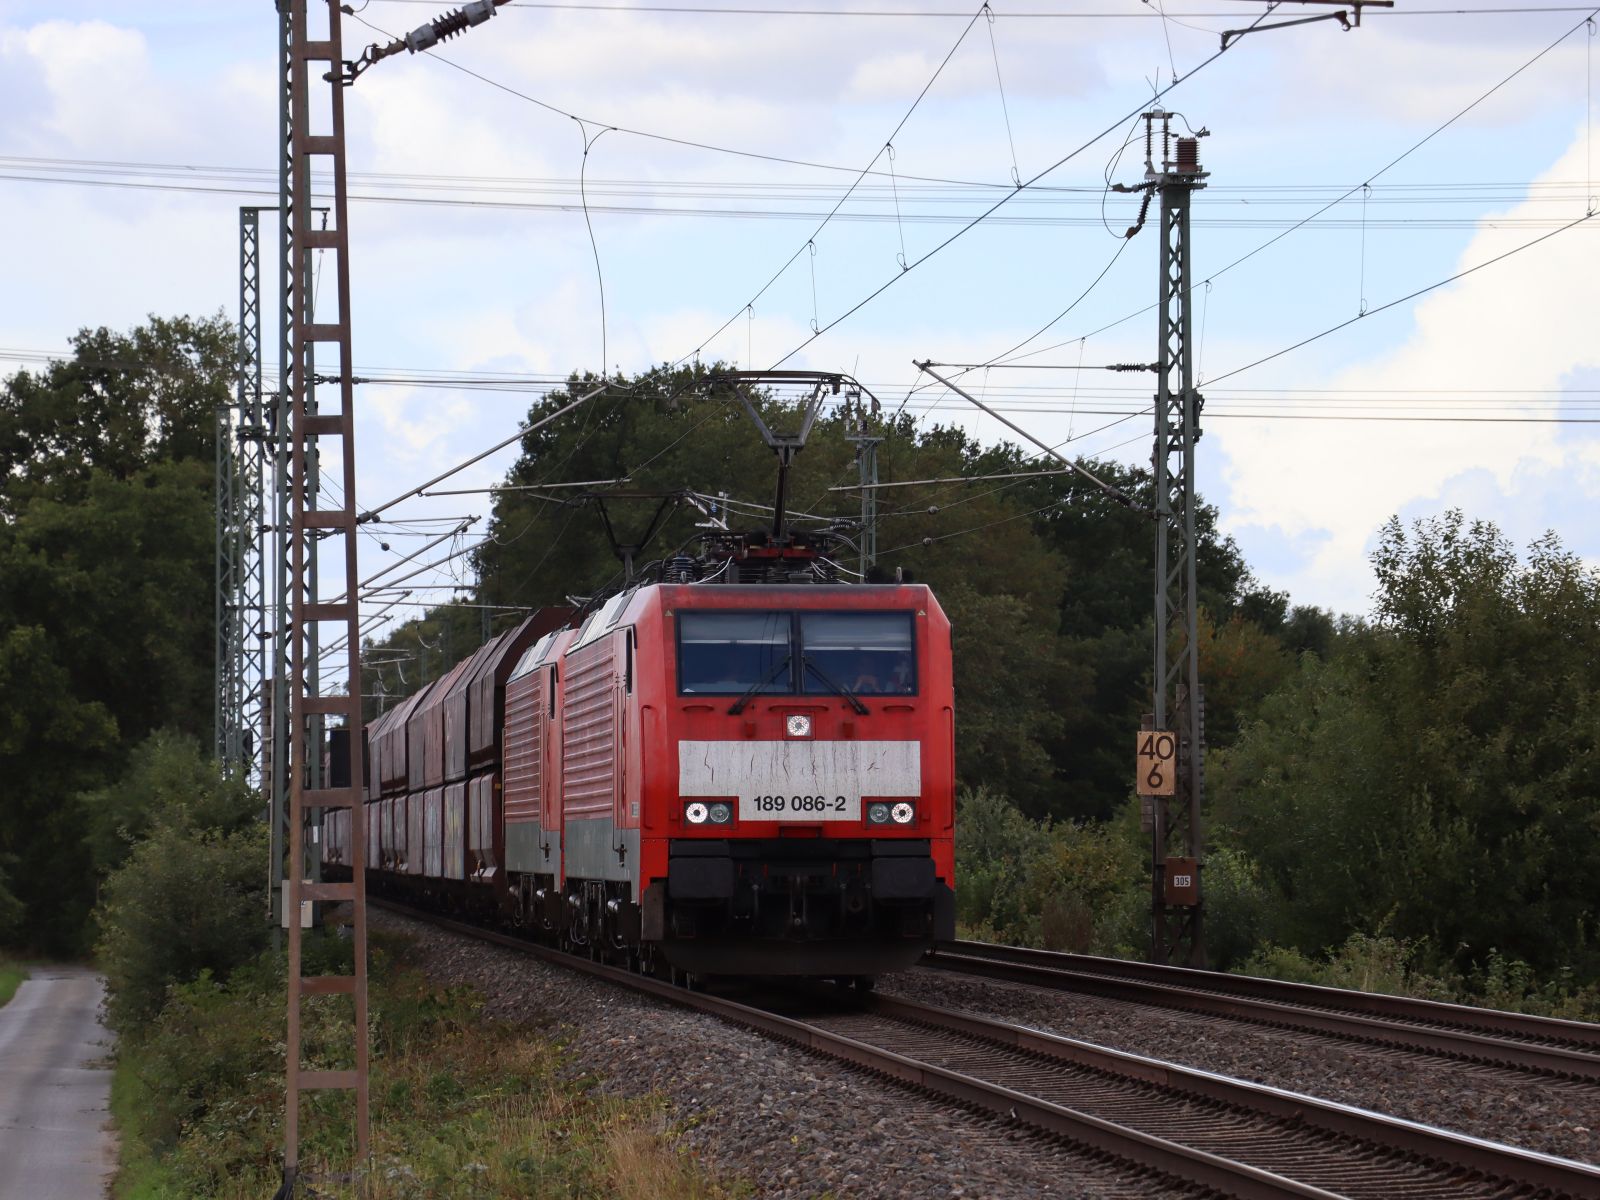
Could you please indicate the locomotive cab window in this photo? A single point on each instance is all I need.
(729, 653)
(869, 653)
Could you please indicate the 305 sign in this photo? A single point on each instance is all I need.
(1156, 763)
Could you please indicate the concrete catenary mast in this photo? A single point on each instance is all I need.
(315, 75)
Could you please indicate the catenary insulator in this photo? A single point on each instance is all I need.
(446, 27)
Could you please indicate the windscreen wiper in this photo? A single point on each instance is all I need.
(855, 702)
(749, 694)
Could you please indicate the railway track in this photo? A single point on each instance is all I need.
(1194, 1128)
(1566, 1049)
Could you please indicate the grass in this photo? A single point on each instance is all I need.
(11, 976)
(461, 1107)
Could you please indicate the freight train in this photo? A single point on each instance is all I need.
(741, 767)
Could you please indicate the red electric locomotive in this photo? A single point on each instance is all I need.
(742, 768)
(738, 779)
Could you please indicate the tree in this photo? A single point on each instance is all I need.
(168, 778)
(1016, 690)
(52, 745)
(184, 851)
(121, 403)
(106, 580)
(1439, 779)
(121, 581)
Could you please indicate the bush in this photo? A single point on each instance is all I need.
(993, 839)
(1076, 887)
(186, 902)
(1510, 983)
(1241, 907)
(1062, 885)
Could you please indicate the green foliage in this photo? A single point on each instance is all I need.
(52, 745)
(1106, 619)
(168, 778)
(122, 579)
(1242, 911)
(1303, 794)
(185, 902)
(1240, 664)
(1016, 690)
(122, 403)
(1509, 983)
(1399, 968)
(1439, 780)
(993, 839)
(1061, 885)
(11, 911)
(11, 977)
(106, 577)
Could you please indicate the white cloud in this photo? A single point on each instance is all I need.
(1523, 324)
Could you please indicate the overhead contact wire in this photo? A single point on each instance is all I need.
(662, 137)
(1409, 296)
(848, 192)
(1003, 200)
(1392, 163)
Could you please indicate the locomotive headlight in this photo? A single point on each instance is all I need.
(721, 814)
(902, 813)
(798, 725)
(696, 813)
(877, 814)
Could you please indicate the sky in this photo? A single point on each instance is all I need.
(712, 145)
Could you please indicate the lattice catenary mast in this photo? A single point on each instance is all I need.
(241, 613)
(1174, 803)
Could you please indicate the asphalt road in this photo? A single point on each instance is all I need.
(53, 1089)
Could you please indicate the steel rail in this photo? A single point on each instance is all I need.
(1567, 1049)
(1451, 1152)
(1409, 1140)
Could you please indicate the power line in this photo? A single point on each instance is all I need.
(873, 203)
(1017, 397)
(954, 191)
(1018, 220)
